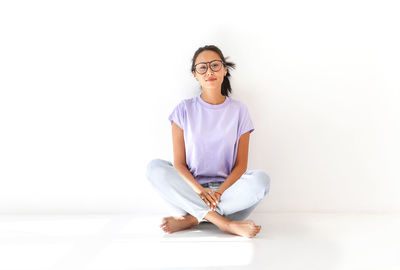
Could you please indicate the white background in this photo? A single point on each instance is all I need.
(86, 88)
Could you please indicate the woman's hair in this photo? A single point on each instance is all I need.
(226, 86)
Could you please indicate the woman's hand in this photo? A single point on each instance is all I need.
(217, 196)
(209, 197)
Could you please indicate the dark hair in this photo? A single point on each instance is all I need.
(226, 85)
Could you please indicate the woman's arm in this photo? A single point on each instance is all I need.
(240, 166)
(180, 158)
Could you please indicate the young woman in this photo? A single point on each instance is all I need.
(209, 180)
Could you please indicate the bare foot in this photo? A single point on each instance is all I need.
(174, 224)
(245, 228)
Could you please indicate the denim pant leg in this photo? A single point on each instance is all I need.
(242, 214)
(240, 199)
(174, 189)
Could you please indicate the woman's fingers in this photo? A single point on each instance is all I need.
(212, 202)
(204, 198)
(211, 199)
(208, 200)
(214, 197)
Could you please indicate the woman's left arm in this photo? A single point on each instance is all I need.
(240, 166)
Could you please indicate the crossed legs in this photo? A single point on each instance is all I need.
(237, 202)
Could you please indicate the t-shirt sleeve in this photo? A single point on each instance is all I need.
(178, 115)
(245, 123)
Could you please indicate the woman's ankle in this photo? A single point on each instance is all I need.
(192, 219)
(220, 221)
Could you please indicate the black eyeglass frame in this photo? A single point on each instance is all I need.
(209, 65)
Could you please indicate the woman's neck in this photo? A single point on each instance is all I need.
(213, 99)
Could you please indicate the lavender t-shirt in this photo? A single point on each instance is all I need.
(211, 134)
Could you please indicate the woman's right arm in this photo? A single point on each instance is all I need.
(178, 142)
(180, 158)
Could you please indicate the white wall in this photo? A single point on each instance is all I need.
(86, 89)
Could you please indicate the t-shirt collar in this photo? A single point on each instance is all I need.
(212, 106)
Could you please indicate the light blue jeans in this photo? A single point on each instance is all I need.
(236, 203)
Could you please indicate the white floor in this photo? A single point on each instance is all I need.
(286, 241)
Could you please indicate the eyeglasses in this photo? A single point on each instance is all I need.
(215, 66)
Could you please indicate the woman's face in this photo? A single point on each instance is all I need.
(210, 79)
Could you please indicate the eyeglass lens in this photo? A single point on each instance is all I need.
(214, 65)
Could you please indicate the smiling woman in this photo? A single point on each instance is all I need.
(214, 80)
(209, 180)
